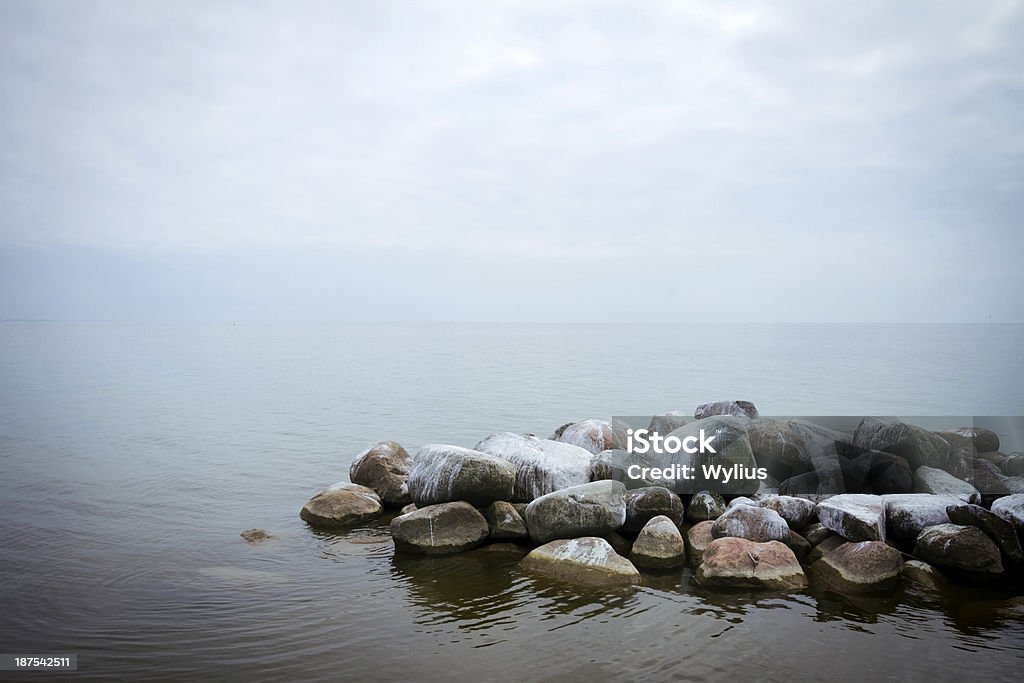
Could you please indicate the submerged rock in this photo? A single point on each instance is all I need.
(659, 545)
(255, 535)
(587, 560)
(341, 505)
(859, 567)
(593, 435)
(940, 482)
(740, 563)
(384, 467)
(908, 514)
(963, 548)
(504, 522)
(542, 465)
(703, 506)
(855, 517)
(439, 529)
(733, 408)
(698, 538)
(646, 503)
(444, 474)
(997, 528)
(752, 523)
(798, 512)
(591, 509)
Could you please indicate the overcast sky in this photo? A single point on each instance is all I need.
(580, 161)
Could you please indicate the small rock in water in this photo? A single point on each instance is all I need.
(341, 505)
(705, 505)
(255, 535)
(439, 529)
(741, 563)
(752, 523)
(659, 545)
(588, 560)
(859, 567)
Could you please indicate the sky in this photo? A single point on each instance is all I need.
(512, 161)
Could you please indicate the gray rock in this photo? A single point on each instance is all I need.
(1013, 466)
(962, 548)
(407, 509)
(855, 517)
(443, 474)
(439, 529)
(816, 533)
(908, 514)
(613, 465)
(341, 505)
(987, 478)
(698, 538)
(821, 442)
(592, 435)
(703, 506)
(646, 503)
(504, 522)
(859, 567)
(822, 549)
(918, 446)
(940, 482)
(728, 437)
(740, 500)
(1011, 508)
(384, 467)
(619, 543)
(777, 446)
(659, 545)
(997, 528)
(591, 509)
(733, 408)
(978, 439)
(255, 535)
(587, 560)
(800, 546)
(752, 523)
(798, 512)
(740, 563)
(541, 465)
(668, 422)
(923, 574)
(1015, 486)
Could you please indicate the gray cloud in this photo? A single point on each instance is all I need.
(805, 161)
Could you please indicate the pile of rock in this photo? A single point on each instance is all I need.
(839, 510)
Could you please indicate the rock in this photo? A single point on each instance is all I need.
(816, 533)
(1011, 508)
(733, 408)
(668, 422)
(697, 540)
(884, 473)
(728, 437)
(855, 517)
(439, 529)
(341, 505)
(613, 465)
(586, 560)
(619, 543)
(407, 509)
(987, 478)
(521, 509)
(1014, 484)
(798, 512)
(1013, 466)
(800, 546)
(924, 574)
(908, 514)
(918, 446)
(255, 535)
(824, 482)
(997, 528)
(542, 465)
(504, 522)
(979, 439)
(704, 506)
(443, 474)
(384, 467)
(859, 567)
(592, 435)
(940, 482)
(962, 548)
(996, 458)
(646, 503)
(822, 549)
(740, 500)
(752, 523)
(591, 509)
(820, 441)
(659, 545)
(778, 447)
(504, 548)
(740, 563)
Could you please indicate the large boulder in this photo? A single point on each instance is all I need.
(798, 512)
(859, 567)
(978, 439)
(588, 560)
(734, 408)
(592, 509)
(384, 467)
(778, 447)
(997, 528)
(666, 423)
(1011, 508)
(614, 465)
(940, 482)
(703, 506)
(908, 514)
(917, 445)
(593, 435)
(439, 529)
(443, 474)
(698, 538)
(504, 521)
(1013, 466)
(752, 523)
(855, 517)
(644, 504)
(740, 563)
(542, 465)
(659, 545)
(341, 505)
(965, 549)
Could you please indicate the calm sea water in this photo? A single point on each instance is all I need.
(132, 455)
